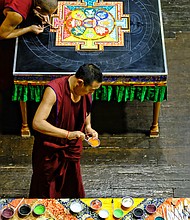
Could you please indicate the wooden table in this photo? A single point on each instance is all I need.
(25, 131)
(124, 38)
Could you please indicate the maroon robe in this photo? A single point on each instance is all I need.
(19, 6)
(56, 161)
(7, 47)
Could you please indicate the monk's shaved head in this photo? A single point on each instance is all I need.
(48, 6)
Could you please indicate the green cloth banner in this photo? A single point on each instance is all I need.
(104, 93)
(131, 93)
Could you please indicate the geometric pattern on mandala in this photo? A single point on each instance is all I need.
(90, 25)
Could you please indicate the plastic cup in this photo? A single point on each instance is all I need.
(103, 213)
(39, 209)
(76, 207)
(95, 204)
(138, 213)
(24, 210)
(7, 213)
(127, 202)
(150, 208)
(118, 213)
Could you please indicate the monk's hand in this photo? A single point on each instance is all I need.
(36, 29)
(46, 19)
(75, 135)
(91, 132)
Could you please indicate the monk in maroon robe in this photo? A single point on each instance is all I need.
(62, 120)
(13, 12)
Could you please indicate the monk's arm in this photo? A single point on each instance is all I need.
(40, 122)
(88, 128)
(88, 121)
(12, 20)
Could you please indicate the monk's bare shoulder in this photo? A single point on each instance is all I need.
(10, 23)
(49, 96)
(13, 18)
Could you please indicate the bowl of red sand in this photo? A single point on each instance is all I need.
(95, 204)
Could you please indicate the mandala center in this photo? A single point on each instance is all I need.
(89, 23)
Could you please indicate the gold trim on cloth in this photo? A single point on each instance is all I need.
(115, 83)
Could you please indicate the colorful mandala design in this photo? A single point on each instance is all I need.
(123, 38)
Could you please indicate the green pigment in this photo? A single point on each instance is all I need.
(40, 209)
(118, 213)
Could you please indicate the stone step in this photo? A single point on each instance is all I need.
(18, 150)
(110, 181)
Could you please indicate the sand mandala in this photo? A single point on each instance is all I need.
(123, 38)
(90, 25)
